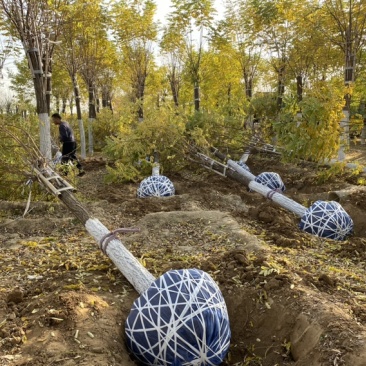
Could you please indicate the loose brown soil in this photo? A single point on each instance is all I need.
(293, 299)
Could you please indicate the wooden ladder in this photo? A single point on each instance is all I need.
(49, 178)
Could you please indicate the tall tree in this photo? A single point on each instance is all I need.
(172, 52)
(190, 22)
(238, 29)
(7, 48)
(311, 57)
(273, 22)
(37, 24)
(68, 57)
(345, 25)
(135, 32)
(84, 50)
(92, 40)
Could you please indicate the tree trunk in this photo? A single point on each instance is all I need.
(299, 88)
(139, 277)
(77, 97)
(140, 99)
(82, 139)
(49, 90)
(136, 274)
(92, 116)
(57, 103)
(174, 85)
(197, 99)
(41, 100)
(221, 169)
(104, 99)
(248, 85)
(71, 105)
(363, 132)
(90, 135)
(98, 105)
(349, 78)
(45, 135)
(64, 104)
(276, 197)
(344, 194)
(79, 118)
(280, 87)
(362, 111)
(92, 110)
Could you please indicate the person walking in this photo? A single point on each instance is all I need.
(68, 142)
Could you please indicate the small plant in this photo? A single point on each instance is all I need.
(286, 345)
(266, 271)
(361, 181)
(330, 173)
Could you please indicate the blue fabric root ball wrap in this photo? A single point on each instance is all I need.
(156, 186)
(180, 320)
(243, 165)
(270, 180)
(327, 220)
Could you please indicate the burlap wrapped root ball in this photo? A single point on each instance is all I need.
(243, 165)
(156, 186)
(180, 320)
(327, 220)
(271, 180)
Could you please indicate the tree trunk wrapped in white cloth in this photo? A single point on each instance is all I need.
(179, 319)
(323, 219)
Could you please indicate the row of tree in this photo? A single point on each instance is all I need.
(118, 52)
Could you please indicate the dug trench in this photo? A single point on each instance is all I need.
(293, 299)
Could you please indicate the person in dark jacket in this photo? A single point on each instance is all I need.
(68, 142)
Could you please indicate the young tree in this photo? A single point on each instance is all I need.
(273, 21)
(135, 32)
(345, 25)
(62, 87)
(37, 24)
(311, 57)
(190, 22)
(91, 43)
(7, 48)
(172, 52)
(238, 29)
(67, 58)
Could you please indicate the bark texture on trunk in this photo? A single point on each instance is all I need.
(269, 193)
(45, 135)
(139, 277)
(79, 117)
(197, 99)
(343, 194)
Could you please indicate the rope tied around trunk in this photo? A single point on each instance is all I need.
(103, 243)
(272, 192)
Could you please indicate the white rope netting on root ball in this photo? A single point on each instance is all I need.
(271, 180)
(180, 320)
(243, 165)
(156, 186)
(327, 220)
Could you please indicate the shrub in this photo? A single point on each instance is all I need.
(17, 137)
(133, 147)
(314, 135)
(221, 131)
